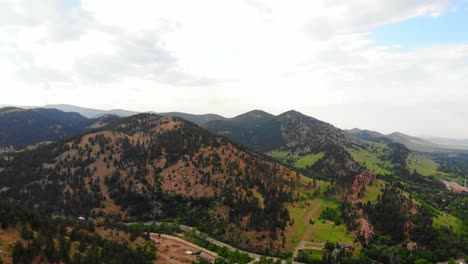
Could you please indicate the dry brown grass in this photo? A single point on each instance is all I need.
(8, 238)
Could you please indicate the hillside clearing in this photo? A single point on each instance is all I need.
(320, 231)
(423, 165)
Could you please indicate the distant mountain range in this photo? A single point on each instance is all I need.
(414, 143)
(20, 128)
(449, 142)
(90, 112)
(311, 145)
(86, 112)
(245, 128)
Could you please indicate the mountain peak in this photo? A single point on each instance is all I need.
(292, 111)
(254, 114)
(258, 112)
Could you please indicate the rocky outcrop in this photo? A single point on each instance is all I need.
(365, 230)
(360, 181)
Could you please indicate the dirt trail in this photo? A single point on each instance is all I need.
(305, 218)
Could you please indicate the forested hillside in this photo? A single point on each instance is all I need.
(20, 128)
(153, 167)
(349, 198)
(29, 237)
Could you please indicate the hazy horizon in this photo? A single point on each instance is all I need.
(424, 136)
(392, 66)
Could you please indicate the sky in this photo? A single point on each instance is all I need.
(387, 65)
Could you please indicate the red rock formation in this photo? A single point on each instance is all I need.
(412, 246)
(361, 180)
(366, 230)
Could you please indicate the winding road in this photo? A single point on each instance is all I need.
(254, 256)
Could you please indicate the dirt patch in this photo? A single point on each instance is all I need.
(8, 238)
(175, 250)
(455, 187)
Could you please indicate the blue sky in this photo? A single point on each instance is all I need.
(72, 3)
(449, 28)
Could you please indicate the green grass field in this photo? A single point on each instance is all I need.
(314, 254)
(373, 191)
(298, 161)
(308, 160)
(320, 231)
(326, 230)
(444, 219)
(279, 154)
(306, 192)
(371, 158)
(297, 214)
(423, 165)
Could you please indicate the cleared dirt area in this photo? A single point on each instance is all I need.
(455, 187)
(175, 250)
(8, 238)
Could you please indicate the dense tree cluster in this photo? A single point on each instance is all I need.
(331, 215)
(50, 240)
(398, 219)
(390, 213)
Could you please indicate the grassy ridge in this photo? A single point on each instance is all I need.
(308, 160)
(444, 219)
(372, 191)
(373, 158)
(295, 159)
(423, 165)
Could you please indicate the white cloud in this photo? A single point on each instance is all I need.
(231, 56)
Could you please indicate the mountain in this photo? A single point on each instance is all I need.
(154, 167)
(413, 143)
(449, 142)
(163, 168)
(90, 112)
(240, 128)
(197, 119)
(365, 134)
(311, 145)
(317, 148)
(23, 127)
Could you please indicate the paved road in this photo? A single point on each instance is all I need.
(254, 256)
